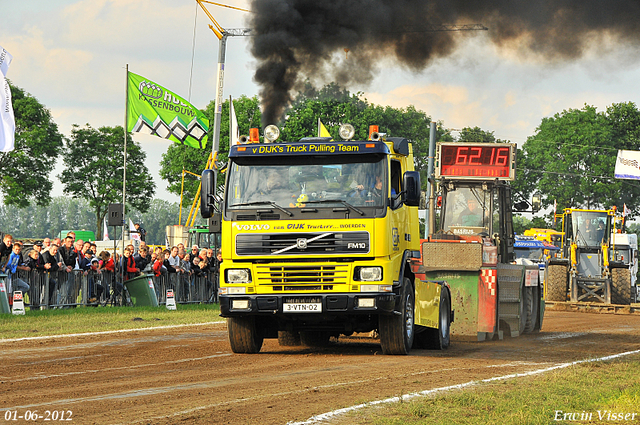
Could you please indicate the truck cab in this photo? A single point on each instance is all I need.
(317, 238)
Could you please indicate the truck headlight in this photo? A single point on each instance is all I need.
(238, 276)
(368, 274)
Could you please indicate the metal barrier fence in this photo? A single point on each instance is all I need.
(64, 289)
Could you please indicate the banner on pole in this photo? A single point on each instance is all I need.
(234, 134)
(133, 232)
(105, 231)
(322, 130)
(159, 112)
(627, 165)
(7, 119)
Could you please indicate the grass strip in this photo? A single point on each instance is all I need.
(588, 393)
(96, 319)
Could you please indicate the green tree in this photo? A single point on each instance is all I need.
(25, 171)
(93, 161)
(478, 135)
(180, 157)
(571, 158)
(335, 106)
(47, 221)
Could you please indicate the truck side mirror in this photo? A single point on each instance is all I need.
(536, 202)
(207, 182)
(411, 192)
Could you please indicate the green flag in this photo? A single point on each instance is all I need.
(157, 111)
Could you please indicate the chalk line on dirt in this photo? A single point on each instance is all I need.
(35, 338)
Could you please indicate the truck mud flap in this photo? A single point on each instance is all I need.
(474, 299)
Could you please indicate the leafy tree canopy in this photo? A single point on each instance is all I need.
(25, 171)
(181, 157)
(571, 158)
(65, 213)
(93, 161)
(335, 106)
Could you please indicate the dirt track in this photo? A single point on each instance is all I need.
(189, 375)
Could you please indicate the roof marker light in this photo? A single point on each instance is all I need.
(254, 135)
(271, 133)
(347, 131)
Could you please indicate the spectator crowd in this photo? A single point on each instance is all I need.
(67, 272)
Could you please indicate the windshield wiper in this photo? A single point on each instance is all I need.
(273, 204)
(333, 201)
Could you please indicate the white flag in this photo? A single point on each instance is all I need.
(132, 230)
(105, 233)
(234, 131)
(627, 165)
(5, 61)
(7, 119)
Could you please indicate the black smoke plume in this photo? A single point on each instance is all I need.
(298, 39)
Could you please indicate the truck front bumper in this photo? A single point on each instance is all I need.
(327, 304)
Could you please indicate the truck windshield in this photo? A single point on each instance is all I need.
(467, 211)
(590, 227)
(292, 185)
(533, 254)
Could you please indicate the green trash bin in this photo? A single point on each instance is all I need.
(142, 291)
(4, 297)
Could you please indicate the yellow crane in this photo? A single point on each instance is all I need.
(222, 35)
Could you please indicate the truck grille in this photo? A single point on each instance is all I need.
(302, 277)
(303, 243)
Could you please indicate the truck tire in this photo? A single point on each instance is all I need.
(315, 339)
(525, 307)
(437, 339)
(557, 283)
(532, 308)
(244, 335)
(620, 286)
(289, 338)
(397, 330)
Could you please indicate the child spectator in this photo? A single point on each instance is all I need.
(129, 265)
(94, 287)
(106, 262)
(84, 262)
(13, 265)
(157, 264)
(34, 261)
(166, 263)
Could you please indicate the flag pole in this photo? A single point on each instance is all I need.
(124, 170)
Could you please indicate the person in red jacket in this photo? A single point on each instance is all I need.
(106, 262)
(130, 265)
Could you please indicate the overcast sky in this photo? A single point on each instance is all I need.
(71, 56)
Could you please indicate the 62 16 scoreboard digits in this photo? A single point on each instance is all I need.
(476, 161)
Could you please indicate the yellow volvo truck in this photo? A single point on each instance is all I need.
(318, 237)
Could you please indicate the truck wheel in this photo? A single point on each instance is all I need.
(557, 283)
(531, 308)
(315, 339)
(397, 330)
(244, 335)
(620, 286)
(288, 338)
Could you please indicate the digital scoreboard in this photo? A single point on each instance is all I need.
(476, 161)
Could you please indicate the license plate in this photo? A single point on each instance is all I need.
(302, 307)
